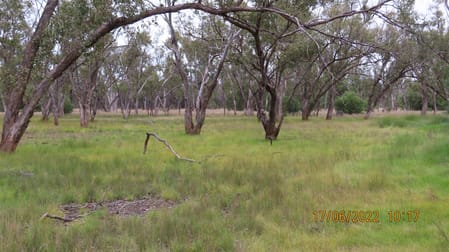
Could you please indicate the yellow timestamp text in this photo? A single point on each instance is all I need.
(365, 216)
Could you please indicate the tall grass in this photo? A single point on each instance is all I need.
(244, 195)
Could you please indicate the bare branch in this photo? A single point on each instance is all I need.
(149, 134)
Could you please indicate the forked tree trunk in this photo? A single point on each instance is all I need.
(270, 127)
(207, 84)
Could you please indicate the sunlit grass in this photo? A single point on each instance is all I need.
(243, 195)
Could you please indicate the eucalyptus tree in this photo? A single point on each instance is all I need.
(205, 53)
(18, 110)
(134, 72)
(55, 100)
(317, 71)
(387, 65)
(74, 20)
(237, 74)
(261, 57)
(165, 89)
(13, 34)
(431, 63)
(240, 88)
(270, 37)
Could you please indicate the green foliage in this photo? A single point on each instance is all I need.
(413, 99)
(350, 103)
(68, 106)
(291, 106)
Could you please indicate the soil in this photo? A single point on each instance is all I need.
(117, 207)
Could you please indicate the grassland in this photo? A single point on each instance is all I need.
(245, 195)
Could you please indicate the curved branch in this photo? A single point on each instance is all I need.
(149, 134)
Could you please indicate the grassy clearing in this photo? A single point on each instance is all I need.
(253, 197)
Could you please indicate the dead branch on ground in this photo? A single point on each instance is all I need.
(149, 134)
(47, 215)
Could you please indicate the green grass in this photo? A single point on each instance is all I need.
(244, 195)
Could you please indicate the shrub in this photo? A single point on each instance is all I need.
(68, 107)
(350, 103)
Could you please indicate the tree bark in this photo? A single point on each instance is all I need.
(46, 109)
(280, 95)
(305, 112)
(14, 123)
(424, 99)
(269, 124)
(434, 99)
(3, 102)
(55, 109)
(84, 114)
(331, 105)
(207, 85)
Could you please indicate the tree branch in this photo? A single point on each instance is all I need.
(149, 134)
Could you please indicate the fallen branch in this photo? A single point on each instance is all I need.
(149, 134)
(47, 215)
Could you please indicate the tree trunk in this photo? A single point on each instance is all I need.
(46, 109)
(188, 121)
(331, 105)
(3, 102)
(93, 112)
(93, 108)
(207, 85)
(424, 99)
(248, 109)
(9, 143)
(434, 98)
(55, 109)
(280, 95)
(369, 107)
(84, 114)
(305, 108)
(269, 124)
(156, 105)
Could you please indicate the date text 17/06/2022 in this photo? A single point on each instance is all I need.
(365, 216)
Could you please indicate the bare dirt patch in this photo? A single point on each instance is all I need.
(75, 211)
